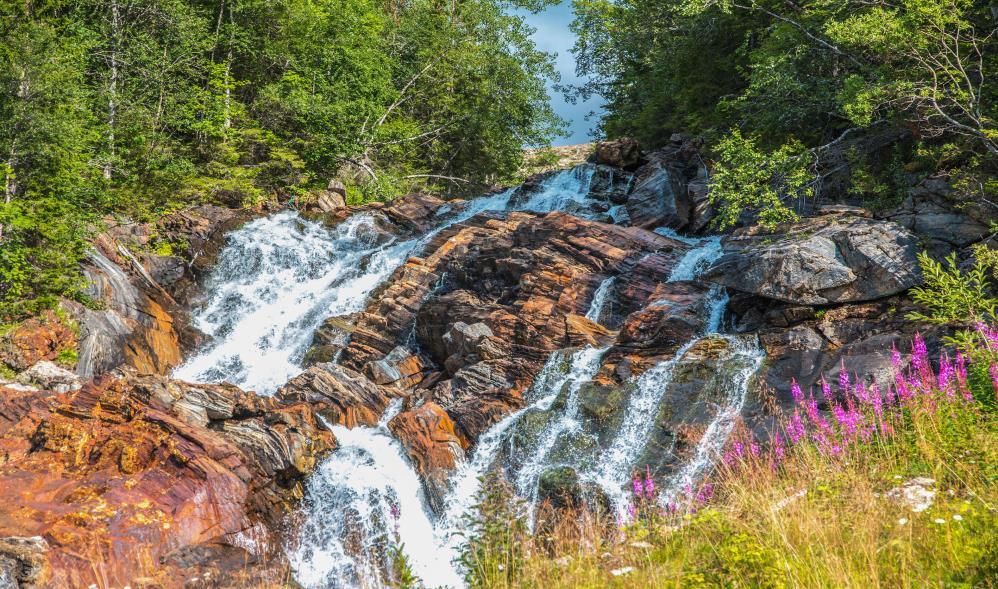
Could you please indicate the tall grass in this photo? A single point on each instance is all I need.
(819, 503)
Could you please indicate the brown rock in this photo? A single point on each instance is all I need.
(428, 434)
(340, 394)
(37, 339)
(621, 153)
(129, 469)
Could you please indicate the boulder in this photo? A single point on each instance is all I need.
(941, 219)
(339, 394)
(838, 257)
(620, 153)
(130, 469)
(399, 368)
(329, 201)
(48, 375)
(660, 197)
(561, 487)
(429, 437)
(414, 212)
(331, 337)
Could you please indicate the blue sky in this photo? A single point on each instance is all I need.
(554, 36)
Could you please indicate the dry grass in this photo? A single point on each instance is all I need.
(811, 519)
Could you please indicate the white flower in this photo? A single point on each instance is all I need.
(902, 521)
(957, 517)
(939, 520)
(622, 571)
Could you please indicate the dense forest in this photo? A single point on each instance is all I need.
(776, 86)
(137, 107)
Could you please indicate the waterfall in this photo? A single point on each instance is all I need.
(584, 365)
(278, 278)
(599, 300)
(613, 471)
(361, 497)
(750, 356)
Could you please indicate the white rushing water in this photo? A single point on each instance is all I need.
(749, 355)
(278, 278)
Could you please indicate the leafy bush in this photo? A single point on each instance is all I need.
(749, 180)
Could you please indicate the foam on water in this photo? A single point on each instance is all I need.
(348, 525)
(276, 280)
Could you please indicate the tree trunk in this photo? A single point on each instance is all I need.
(112, 95)
(228, 71)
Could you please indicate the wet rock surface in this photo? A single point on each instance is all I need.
(491, 298)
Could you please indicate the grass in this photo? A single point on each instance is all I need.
(816, 513)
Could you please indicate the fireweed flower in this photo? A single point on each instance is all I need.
(795, 427)
(826, 389)
(843, 378)
(945, 378)
(961, 376)
(778, 449)
(795, 391)
(649, 484)
(632, 513)
(920, 357)
(990, 334)
(638, 487)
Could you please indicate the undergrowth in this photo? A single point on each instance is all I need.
(890, 488)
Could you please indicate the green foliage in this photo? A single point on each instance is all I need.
(951, 296)
(402, 576)
(809, 74)
(497, 536)
(747, 179)
(140, 108)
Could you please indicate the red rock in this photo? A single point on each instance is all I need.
(37, 339)
(120, 475)
(428, 434)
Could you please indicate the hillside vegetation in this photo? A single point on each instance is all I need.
(844, 99)
(113, 107)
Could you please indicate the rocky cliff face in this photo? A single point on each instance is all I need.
(146, 481)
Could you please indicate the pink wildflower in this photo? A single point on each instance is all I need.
(843, 377)
(795, 391)
(961, 377)
(795, 427)
(990, 334)
(649, 484)
(826, 389)
(945, 379)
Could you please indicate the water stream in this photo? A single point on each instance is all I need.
(279, 277)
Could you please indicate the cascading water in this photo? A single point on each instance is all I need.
(613, 471)
(359, 500)
(278, 278)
